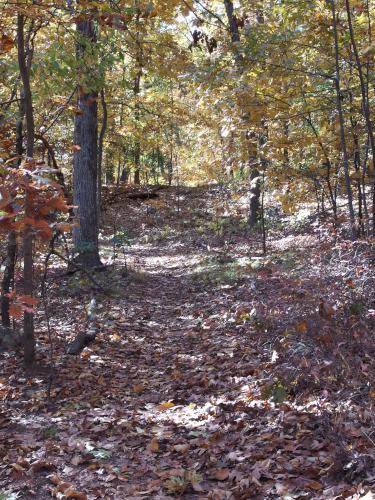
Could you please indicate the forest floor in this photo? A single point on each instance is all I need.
(217, 373)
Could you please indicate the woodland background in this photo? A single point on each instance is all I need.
(187, 217)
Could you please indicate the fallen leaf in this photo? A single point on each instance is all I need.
(221, 474)
(166, 405)
(138, 388)
(181, 448)
(326, 311)
(301, 326)
(153, 445)
(72, 493)
(40, 465)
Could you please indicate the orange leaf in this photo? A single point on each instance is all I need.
(64, 227)
(350, 283)
(28, 300)
(6, 43)
(302, 326)
(15, 311)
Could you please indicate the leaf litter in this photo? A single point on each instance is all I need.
(218, 373)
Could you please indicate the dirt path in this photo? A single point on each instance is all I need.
(213, 376)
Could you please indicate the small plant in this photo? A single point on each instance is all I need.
(218, 226)
(277, 392)
(165, 232)
(8, 495)
(356, 308)
(178, 485)
(51, 432)
(120, 241)
(101, 454)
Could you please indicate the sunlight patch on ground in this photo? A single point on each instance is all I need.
(153, 264)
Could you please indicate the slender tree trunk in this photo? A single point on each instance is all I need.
(342, 123)
(136, 90)
(103, 130)
(8, 277)
(85, 172)
(28, 262)
(254, 175)
(137, 162)
(137, 146)
(365, 101)
(10, 261)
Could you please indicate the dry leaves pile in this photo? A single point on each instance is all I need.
(217, 373)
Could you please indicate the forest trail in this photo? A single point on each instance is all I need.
(218, 373)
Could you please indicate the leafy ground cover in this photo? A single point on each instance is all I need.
(218, 372)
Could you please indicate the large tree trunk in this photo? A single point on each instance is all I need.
(28, 264)
(85, 173)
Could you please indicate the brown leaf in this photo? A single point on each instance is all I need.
(72, 493)
(221, 474)
(18, 468)
(62, 487)
(6, 43)
(326, 311)
(138, 388)
(181, 448)
(301, 326)
(153, 445)
(303, 482)
(40, 465)
(54, 479)
(76, 460)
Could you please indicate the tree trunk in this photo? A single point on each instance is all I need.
(103, 129)
(365, 101)
(342, 123)
(137, 162)
(254, 197)
(85, 172)
(10, 261)
(137, 147)
(28, 263)
(8, 277)
(254, 176)
(136, 90)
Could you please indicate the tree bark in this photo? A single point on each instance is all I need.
(365, 101)
(10, 261)
(254, 175)
(103, 130)
(28, 261)
(342, 123)
(85, 172)
(136, 90)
